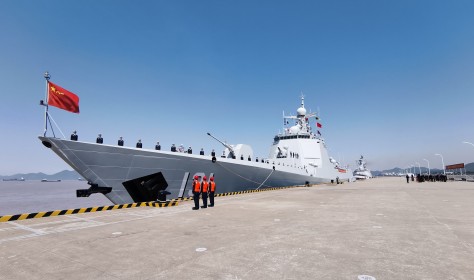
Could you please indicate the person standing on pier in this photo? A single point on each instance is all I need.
(196, 192)
(212, 189)
(205, 188)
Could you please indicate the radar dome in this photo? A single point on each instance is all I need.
(294, 129)
(301, 111)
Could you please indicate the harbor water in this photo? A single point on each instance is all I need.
(18, 197)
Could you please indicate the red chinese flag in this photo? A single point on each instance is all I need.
(319, 125)
(61, 98)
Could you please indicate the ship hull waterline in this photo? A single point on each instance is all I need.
(112, 166)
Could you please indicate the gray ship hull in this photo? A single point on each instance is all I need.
(119, 168)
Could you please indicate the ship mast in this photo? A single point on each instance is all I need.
(302, 124)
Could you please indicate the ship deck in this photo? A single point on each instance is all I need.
(381, 227)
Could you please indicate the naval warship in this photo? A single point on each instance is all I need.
(362, 172)
(298, 156)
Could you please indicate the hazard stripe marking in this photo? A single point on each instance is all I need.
(240, 192)
(26, 216)
(173, 202)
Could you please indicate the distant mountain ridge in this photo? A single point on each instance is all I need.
(62, 175)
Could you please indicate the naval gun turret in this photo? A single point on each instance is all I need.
(239, 151)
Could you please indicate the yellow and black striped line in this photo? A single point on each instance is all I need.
(182, 198)
(173, 202)
(239, 192)
(7, 218)
(253, 191)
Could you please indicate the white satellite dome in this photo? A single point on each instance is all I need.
(301, 111)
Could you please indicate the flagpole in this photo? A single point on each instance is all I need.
(47, 77)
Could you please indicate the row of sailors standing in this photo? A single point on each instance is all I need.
(189, 151)
(180, 149)
(139, 144)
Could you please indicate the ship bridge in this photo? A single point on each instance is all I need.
(298, 146)
(301, 129)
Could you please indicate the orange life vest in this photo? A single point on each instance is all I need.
(205, 184)
(213, 186)
(197, 186)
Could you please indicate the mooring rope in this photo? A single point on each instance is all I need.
(265, 179)
(247, 179)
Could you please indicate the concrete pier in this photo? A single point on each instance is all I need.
(383, 227)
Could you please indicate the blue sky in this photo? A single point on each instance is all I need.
(393, 80)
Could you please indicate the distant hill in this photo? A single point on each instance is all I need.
(62, 175)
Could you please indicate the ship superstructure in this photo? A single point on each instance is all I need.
(362, 172)
(298, 156)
